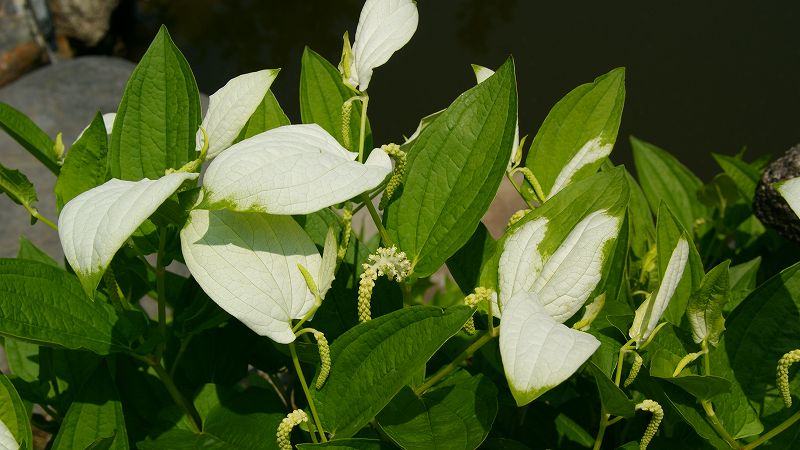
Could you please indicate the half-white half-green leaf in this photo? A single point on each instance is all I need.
(563, 281)
(230, 108)
(538, 352)
(790, 190)
(247, 263)
(650, 311)
(95, 224)
(7, 441)
(384, 27)
(294, 169)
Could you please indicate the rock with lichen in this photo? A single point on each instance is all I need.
(768, 204)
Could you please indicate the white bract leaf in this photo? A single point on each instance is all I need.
(481, 75)
(539, 353)
(649, 312)
(247, 263)
(294, 169)
(593, 150)
(384, 27)
(790, 190)
(95, 224)
(521, 261)
(328, 265)
(7, 441)
(230, 108)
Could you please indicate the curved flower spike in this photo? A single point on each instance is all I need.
(538, 293)
(230, 108)
(94, 225)
(7, 441)
(294, 169)
(384, 27)
(650, 311)
(247, 263)
(284, 434)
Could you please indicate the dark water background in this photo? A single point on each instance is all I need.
(702, 76)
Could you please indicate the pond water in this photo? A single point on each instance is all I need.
(711, 76)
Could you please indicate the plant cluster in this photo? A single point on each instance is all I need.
(612, 313)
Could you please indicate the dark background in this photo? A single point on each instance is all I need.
(702, 76)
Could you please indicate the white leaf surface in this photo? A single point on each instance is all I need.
(593, 150)
(539, 353)
(790, 190)
(230, 108)
(95, 224)
(521, 262)
(7, 441)
(247, 263)
(294, 169)
(570, 275)
(384, 27)
(649, 313)
(328, 265)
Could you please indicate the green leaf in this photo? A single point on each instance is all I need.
(664, 178)
(158, 117)
(267, 116)
(23, 359)
(29, 135)
(85, 165)
(322, 94)
(453, 172)
(17, 186)
(375, 359)
(743, 174)
(614, 401)
(458, 413)
(702, 387)
(14, 414)
(28, 250)
(349, 444)
(464, 264)
(743, 278)
(578, 133)
(572, 431)
(705, 306)
(180, 439)
(640, 219)
(45, 305)
(668, 231)
(94, 415)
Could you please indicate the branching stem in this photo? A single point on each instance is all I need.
(307, 392)
(449, 368)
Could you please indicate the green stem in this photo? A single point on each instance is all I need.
(620, 361)
(180, 400)
(510, 177)
(362, 135)
(773, 432)
(377, 219)
(179, 356)
(161, 290)
(35, 213)
(311, 406)
(717, 425)
(449, 368)
(598, 441)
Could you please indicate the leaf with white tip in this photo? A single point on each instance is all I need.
(230, 108)
(539, 353)
(247, 263)
(567, 278)
(95, 224)
(384, 27)
(790, 190)
(705, 306)
(7, 441)
(295, 169)
(649, 313)
(482, 74)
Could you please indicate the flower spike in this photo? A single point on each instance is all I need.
(396, 179)
(637, 365)
(284, 434)
(385, 261)
(653, 407)
(473, 300)
(324, 357)
(516, 217)
(784, 364)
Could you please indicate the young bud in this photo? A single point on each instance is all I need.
(284, 434)
(516, 217)
(783, 375)
(473, 300)
(637, 365)
(658, 414)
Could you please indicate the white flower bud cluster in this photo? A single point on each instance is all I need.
(517, 216)
(284, 434)
(472, 300)
(784, 364)
(385, 261)
(654, 408)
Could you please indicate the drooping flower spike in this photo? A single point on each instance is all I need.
(384, 27)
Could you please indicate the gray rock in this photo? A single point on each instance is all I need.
(84, 20)
(768, 205)
(62, 97)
